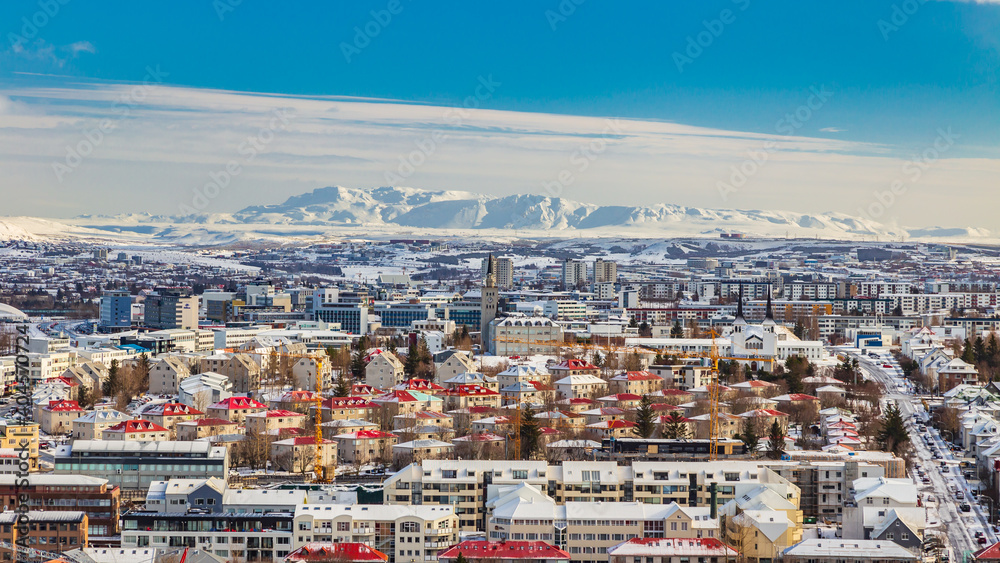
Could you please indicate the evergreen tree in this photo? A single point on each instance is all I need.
(674, 427)
(143, 369)
(112, 384)
(968, 353)
(343, 388)
(645, 418)
(412, 362)
(530, 433)
(84, 397)
(358, 364)
(992, 351)
(776, 448)
(893, 435)
(461, 558)
(677, 331)
(749, 436)
(799, 330)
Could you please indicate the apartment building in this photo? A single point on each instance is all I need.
(49, 531)
(470, 484)
(404, 533)
(18, 435)
(134, 465)
(61, 493)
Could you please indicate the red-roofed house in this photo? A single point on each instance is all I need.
(989, 554)
(796, 400)
(263, 422)
(204, 427)
(573, 366)
(620, 400)
(298, 401)
(298, 454)
(506, 551)
(612, 428)
(364, 390)
(467, 396)
(57, 417)
(348, 408)
(137, 430)
(235, 409)
(340, 552)
(168, 415)
(635, 382)
(365, 446)
(423, 385)
(755, 386)
(668, 550)
(577, 404)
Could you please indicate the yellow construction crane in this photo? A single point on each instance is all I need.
(714, 386)
(318, 466)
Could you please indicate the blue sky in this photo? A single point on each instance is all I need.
(895, 83)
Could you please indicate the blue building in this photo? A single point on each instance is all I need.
(116, 311)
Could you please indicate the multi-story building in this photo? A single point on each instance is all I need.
(404, 533)
(134, 465)
(503, 269)
(232, 536)
(171, 307)
(63, 493)
(574, 273)
(330, 306)
(517, 335)
(20, 435)
(48, 531)
(605, 271)
(116, 310)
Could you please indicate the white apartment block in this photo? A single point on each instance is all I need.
(574, 273)
(605, 271)
(503, 271)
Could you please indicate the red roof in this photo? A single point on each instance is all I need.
(239, 403)
(756, 383)
(173, 409)
(480, 409)
(68, 381)
(418, 385)
(365, 435)
(297, 396)
(210, 422)
(482, 437)
(341, 551)
(622, 397)
(481, 549)
(664, 407)
(348, 403)
(139, 425)
(637, 376)
(611, 424)
(674, 417)
(308, 440)
(574, 364)
(282, 412)
(802, 397)
(64, 406)
(470, 390)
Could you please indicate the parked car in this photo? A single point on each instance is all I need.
(966, 507)
(981, 540)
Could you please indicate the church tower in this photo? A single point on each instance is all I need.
(739, 322)
(768, 323)
(488, 303)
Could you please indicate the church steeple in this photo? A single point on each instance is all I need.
(491, 278)
(769, 313)
(739, 321)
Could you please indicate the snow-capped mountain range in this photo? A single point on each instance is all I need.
(340, 211)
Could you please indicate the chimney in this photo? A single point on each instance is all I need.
(713, 490)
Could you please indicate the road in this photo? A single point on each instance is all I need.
(959, 527)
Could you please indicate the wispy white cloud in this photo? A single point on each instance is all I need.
(832, 130)
(41, 50)
(170, 141)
